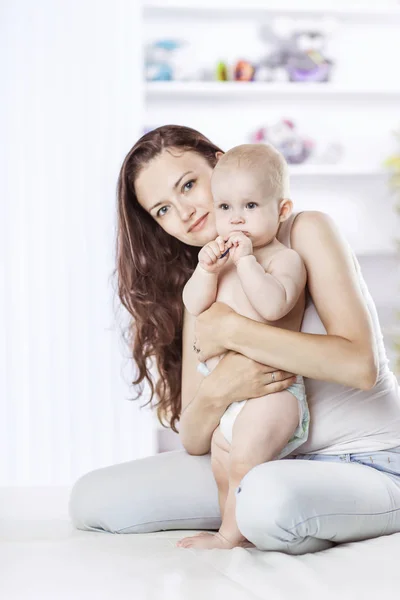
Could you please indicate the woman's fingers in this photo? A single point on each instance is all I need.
(279, 386)
(278, 375)
(276, 381)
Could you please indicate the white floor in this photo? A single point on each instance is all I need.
(43, 557)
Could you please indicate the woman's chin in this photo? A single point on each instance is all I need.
(203, 237)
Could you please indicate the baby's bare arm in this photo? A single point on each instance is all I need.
(200, 291)
(273, 291)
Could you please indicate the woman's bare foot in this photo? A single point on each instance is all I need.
(209, 541)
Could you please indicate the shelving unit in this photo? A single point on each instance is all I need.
(229, 90)
(386, 12)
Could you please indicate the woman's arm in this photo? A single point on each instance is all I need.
(346, 355)
(205, 399)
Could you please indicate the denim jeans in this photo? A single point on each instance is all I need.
(310, 502)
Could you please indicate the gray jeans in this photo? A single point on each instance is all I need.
(294, 505)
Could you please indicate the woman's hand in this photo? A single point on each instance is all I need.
(211, 330)
(237, 377)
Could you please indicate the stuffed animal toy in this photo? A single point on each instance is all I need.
(284, 137)
(295, 51)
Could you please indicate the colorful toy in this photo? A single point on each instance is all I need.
(158, 56)
(170, 60)
(284, 137)
(243, 71)
(221, 72)
(295, 51)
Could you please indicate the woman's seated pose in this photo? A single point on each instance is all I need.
(343, 483)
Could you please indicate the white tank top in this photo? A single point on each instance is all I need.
(343, 419)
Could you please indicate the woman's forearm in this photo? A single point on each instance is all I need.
(323, 357)
(201, 417)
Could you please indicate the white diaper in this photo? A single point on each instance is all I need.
(300, 435)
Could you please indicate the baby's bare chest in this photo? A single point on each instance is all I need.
(231, 292)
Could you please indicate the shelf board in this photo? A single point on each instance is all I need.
(254, 9)
(232, 89)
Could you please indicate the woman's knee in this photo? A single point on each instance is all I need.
(268, 502)
(89, 500)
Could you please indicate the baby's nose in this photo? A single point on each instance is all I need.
(235, 220)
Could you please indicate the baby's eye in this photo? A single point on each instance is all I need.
(223, 206)
(190, 184)
(251, 205)
(159, 211)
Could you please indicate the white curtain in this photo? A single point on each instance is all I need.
(71, 107)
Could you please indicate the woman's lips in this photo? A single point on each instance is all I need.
(200, 224)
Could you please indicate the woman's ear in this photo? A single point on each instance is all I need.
(218, 155)
(285, 209)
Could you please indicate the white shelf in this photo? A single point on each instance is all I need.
(231, 89)
(260, 9)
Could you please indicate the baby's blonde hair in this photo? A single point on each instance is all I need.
(265, 162)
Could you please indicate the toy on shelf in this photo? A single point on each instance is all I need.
(243, 71)
(295, 51)
(284, 137)
(170, 60)
(222, 72)
(296, 148)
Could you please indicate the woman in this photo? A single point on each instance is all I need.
(345, 484)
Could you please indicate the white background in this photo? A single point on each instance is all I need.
(71, 111)
(73, 105)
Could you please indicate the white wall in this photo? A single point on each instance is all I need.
(71, 109)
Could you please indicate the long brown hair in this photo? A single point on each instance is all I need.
(152, 268)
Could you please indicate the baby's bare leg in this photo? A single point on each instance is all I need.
(220, 449)
(261, 430)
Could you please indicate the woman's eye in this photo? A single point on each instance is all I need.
(190, 184)
(251, 205)
(159, 211)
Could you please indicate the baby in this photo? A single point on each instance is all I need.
(261, 279)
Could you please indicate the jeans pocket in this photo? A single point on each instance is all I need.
(387, 461)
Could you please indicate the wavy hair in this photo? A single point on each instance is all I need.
(152, 268)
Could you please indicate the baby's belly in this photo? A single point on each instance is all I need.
(230, 292)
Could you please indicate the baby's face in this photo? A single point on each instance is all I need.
(241, 204)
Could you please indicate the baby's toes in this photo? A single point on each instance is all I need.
(185, 542)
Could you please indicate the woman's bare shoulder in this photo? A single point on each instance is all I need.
(311, 218)
(312, 228)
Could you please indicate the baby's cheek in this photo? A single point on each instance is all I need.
(222, 225)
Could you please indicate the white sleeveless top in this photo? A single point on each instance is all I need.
(343, 419)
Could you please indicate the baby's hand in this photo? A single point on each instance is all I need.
(209, 255)
(241, 245)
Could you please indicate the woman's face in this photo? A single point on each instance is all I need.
(175, 188)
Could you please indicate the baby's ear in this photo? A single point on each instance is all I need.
(285, 209)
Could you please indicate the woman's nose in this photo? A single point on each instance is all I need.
(186, 212)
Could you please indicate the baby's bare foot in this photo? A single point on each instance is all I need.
(206, 541)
